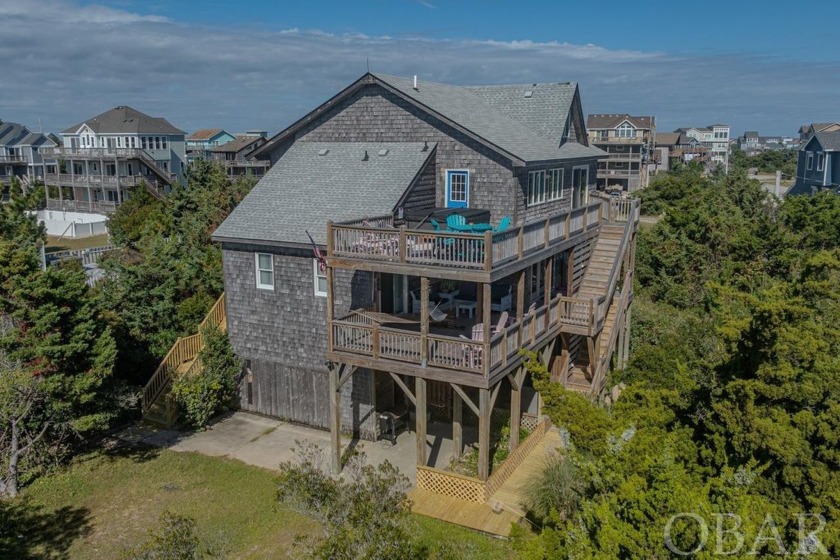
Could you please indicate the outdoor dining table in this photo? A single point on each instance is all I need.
(471, 228)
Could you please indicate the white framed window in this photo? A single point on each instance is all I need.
(809, 158)
(555, 184)
(820, 161)
(603, 135)
(536, 187)
(320, 278)
(625, 130)
(163, 142)
(264, 264)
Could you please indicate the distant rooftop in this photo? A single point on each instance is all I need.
(124, 119)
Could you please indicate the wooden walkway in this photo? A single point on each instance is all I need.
(503, 509)
(511, 494)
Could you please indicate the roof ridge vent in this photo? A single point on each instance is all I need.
(529, 94)
(383, 152)
(324, 152)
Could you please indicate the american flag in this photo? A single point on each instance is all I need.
(322, 261)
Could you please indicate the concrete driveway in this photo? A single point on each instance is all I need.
(266, 442)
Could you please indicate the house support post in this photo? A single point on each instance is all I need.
(516, 381)
(483, 434)
(335, 419)
(424, 320)
(420, 422)
(619, 350)
(457, 426)
(487, 317)
(626, 331)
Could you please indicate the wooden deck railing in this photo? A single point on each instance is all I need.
(184, 350)
(356, 335)
(379, 241)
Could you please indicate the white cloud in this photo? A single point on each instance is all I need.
(69, 61)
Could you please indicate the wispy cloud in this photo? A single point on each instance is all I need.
(426, 4)
(68, 61)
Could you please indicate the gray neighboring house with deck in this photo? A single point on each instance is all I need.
(366, 173)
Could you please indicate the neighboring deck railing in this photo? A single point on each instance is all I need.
(100, 207)
(97, 180)
(366, 240)
(184, 350)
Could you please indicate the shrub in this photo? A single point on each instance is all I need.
(175, 539)
(365, 514)
(557, 487)
(211, 391)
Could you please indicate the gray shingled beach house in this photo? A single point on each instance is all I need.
(458, 226)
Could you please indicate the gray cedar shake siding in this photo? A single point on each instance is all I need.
(283, 332)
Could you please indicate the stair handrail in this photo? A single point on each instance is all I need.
(184, 349)
(603, 301)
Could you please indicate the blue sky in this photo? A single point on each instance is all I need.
(764, 66)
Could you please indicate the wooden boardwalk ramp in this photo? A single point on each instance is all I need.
(502, 509)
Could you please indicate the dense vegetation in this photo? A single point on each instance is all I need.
(72, 356)
(766, 162)
(732, 406)
(167, 272)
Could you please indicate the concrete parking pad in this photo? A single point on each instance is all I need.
(266, 442)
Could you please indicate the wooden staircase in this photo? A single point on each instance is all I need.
(596, 279)
(156, 403)
(590, 357)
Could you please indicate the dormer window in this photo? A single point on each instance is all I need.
(625, 130)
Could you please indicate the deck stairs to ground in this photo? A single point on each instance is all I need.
(595, 280)
(157, 405)
(604, 261)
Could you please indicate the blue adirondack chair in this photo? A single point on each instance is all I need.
(456, 222)
(504, 223)
(435, 225)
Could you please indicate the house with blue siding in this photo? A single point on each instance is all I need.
(818, 166)
(201, 142)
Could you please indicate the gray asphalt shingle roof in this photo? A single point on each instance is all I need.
(529, 128)
(305, 189)
(14, 134)
(124, 119)
(830, 141)
(612, 120)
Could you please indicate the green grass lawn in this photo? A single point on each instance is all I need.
(107, 502)
(72, 244)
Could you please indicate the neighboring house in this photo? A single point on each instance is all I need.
(20, 153)
(104, 157)
(715, 138)
(678, 146)
(236, 154)
(630, 142)
(750, 142)
(201, 142)
(818, 166)
(808, 130)
(376, 175)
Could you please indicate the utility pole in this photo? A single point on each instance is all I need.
(778, 182)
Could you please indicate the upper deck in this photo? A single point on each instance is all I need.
(409, 345)
(375, 244)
